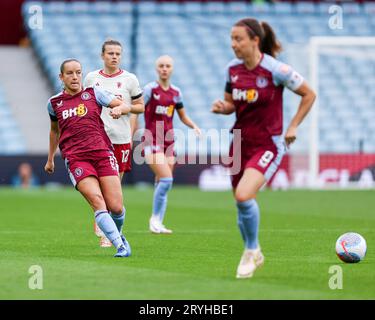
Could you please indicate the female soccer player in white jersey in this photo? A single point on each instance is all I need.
(161, 99)
(125, 86)
(254, 88)
(76, 127)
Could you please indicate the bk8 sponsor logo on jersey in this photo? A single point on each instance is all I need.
(167, 110)
(250, 95)
(79, 111)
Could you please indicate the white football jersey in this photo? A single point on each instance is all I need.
(123, 85)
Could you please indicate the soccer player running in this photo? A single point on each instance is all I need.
(254, 88)
(125, 86)
(161, 99)
(76, 127)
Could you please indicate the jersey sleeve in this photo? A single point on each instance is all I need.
(135, 89)
(51, 112)
(88, 81)
(285, 75)
(147, 91)
(179, 100)
(103, 98)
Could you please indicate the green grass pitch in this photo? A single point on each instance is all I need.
(298, 231)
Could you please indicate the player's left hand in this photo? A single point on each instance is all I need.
(290, 135)
(197, 131)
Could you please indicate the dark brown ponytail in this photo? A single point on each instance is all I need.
(268, 42)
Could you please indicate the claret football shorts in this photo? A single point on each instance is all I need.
(95, 163)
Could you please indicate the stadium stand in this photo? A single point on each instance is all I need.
(27, 91)
(197, 36)
(11, 139)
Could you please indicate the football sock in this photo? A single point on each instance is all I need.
(108, 226)
(248, 222)
(161, 197)
(119, 219)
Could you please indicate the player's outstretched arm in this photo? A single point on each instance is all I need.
(53, 144)
(187, 121)
(307, 99)
(224, 107)
(119, 108)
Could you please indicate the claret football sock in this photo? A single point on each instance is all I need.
(119, 219)
(108, 226)
(248, 222)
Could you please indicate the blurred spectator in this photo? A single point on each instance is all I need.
(25, 177)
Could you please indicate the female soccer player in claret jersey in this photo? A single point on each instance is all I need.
(125, 86)
(254, 89)
(76, 127)
(161, 100)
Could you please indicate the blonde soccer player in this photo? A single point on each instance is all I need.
(162, 100)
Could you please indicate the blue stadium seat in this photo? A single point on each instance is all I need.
(214, 7)
(351, 8)
(259, 8)
(236, 7)
(103, 7)
(192, 7)
(56, 7)
(283, 7)
(323, 8)
(369, 8)
(306, 7)
(81, 7)
(147, 7)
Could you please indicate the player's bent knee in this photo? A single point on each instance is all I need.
(116, 208)
(242, 196)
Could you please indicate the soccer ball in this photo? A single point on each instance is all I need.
(351, 247)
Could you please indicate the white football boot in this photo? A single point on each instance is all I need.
(251, 260)
(97, 230)
(157, 227)
(154, 225)
(164, 230)
(104, 242)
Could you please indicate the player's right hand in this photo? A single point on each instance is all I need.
(116, 112)
(49, 167)
(218, 106)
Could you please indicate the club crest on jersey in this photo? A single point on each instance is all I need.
(119, 85)
(166, 110)
(79, 111)
(85, 96)
(234, 78)
(250, 95)
(78, 172)
(261, 82)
